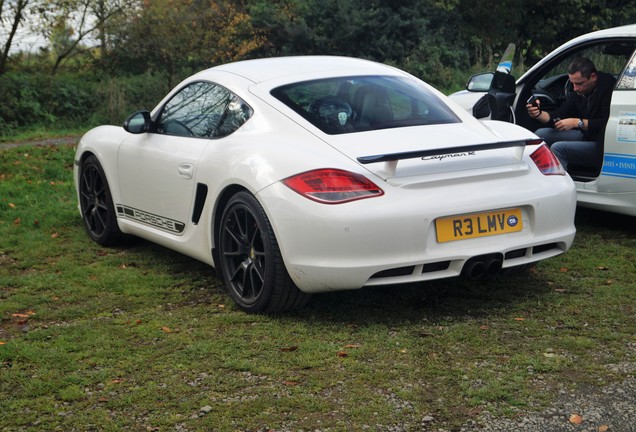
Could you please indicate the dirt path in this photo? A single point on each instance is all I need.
(71, 139)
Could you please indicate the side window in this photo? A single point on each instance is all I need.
(203, 110)
(628, 80)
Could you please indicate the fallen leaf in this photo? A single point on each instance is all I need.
(484, 327)
(166, 329)
(520, 319)
(17, 221)
(123, 266)
(3, 343)
(602, 268)
(342, 354)
(563, 269)
(603, 428)
(55, 235)
(403, 351)
(289, 349)
(117, 381)
(11, 205)
(290, 383)
(351, 346)
(576, 419)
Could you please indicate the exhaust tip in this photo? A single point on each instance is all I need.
(482, 266)
(474, 270)
(493, 267)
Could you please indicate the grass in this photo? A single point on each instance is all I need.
(140, 338)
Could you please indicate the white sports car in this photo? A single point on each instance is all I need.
(299, 175)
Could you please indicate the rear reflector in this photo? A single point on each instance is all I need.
(332, 186)
(547, 163)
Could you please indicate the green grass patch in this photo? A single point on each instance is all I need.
(142, 338)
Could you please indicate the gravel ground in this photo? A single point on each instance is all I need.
(589, 409)
(610, 409)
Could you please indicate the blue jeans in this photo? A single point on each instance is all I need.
(570, 148)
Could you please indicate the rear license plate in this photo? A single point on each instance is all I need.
(475, 225)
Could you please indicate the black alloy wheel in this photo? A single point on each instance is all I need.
(96, 204)
(251, 261)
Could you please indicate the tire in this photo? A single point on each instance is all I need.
(251, 262)
(96, 204)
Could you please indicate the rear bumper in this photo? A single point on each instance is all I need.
(392, 239)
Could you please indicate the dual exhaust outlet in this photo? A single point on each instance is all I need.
(483, 266)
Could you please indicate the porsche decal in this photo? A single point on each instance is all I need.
(160, 222)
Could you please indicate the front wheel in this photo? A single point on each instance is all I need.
(251, 261)
(96, 204)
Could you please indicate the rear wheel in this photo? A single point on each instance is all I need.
(251, 261)
(96, 204)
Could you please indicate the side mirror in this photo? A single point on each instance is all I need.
(482, 108)
(480, 82)
(138, 123)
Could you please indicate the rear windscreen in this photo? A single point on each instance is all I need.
(354, 104)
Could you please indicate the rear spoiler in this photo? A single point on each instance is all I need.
(393, 158)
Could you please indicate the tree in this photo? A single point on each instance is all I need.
(74, 26)
(12, 13)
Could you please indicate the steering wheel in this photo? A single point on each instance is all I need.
(176, 127)
(568, 88)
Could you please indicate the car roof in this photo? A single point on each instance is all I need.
(277, 68)
(627, 31)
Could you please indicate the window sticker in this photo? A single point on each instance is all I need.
(626, 129)
(628, 80)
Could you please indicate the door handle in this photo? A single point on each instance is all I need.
(185, 170)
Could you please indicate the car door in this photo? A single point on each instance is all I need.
(619, 165)
(158, 169)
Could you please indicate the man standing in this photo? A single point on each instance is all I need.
(577, 128)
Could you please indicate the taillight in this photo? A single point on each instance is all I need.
(332, 186)
(546, 161)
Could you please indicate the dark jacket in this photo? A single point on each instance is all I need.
(595, 107)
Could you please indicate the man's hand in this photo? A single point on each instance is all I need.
(566, 124)
(533, 111)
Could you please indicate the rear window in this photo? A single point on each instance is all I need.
(355, 104)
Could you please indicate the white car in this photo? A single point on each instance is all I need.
(299, 175)
(613, 188)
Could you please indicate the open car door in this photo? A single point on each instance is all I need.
(497, 103)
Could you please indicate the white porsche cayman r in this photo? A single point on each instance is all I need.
(298, 175)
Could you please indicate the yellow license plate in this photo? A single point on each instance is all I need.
(475, 225)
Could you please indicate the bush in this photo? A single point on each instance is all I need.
(35, 100)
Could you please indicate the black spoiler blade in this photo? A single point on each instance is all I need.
(392, 157)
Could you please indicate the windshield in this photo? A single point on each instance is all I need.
(354, 104)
